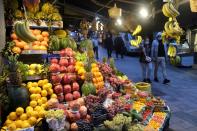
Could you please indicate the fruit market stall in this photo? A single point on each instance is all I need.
(68, 89)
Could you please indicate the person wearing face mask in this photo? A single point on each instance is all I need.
(145, 60)
(159, 55)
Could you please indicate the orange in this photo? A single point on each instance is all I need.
(46, 39)
(45, 34)
(26, 47)
(44, 93)
(20, 44)
(14, 36)
(33, 104)
(36, 32)
(44, 43)
(19, 111)
(12, 116)
(40, 37)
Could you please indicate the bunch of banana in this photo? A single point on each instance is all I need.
(173, 29)
(23, 32)
(137, 30)
(169, 10)
(136, 42)
(172, 51)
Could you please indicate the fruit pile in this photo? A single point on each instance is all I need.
(35, 69)
(138, 106)
(83, 125)
(146, 114)
(65, 85)
(80, 69)
(97, 76)
(157, 120)
(91, 102)
(25, 118)
(105, 69)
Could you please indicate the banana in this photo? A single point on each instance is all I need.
(167, 28)
(139, 40)
(22, 31)
(172, 8)
(165, 11)
(171, 51)
(137, 30)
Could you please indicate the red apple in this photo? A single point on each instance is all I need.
(76, 95)
(66, 79)
(54, 67)
(67, 89)
(63, 69)
(63, 62)
(55, 79)
(75, 86)
(54, 60)
(62, 53)
(69, 97)
(58, 89)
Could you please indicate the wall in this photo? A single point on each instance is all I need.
(2, 26)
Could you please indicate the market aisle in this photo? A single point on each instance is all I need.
(180, 94)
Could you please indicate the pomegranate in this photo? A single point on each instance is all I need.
(54, 67)
(67, 89)
(71, 61)
(60, 97)
(54, 60)
(69, 97)
(75, 86)
(63, 69)
(62, 53)
(66, 79)
(63, 62)
(58, 89)
(76, 95)
(55, 79)
(71, 69)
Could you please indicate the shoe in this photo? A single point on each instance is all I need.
(148, 80)
(166, 81)
(144, 80)
(156, 79)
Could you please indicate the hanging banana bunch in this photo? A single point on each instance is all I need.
(32, 5)
(137, 30)
(171, 27)
(136, 42)
(172, 51)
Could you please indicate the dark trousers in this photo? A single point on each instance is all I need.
(109, 52)
(96, 52)
(119, 52)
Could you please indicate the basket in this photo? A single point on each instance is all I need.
(143, 86)
(115, 12)
(193, 5)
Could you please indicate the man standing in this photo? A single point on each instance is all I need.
(95, 46)
(119, 46)
(159, 55)
(109, 44)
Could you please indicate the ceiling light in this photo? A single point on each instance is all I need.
(144, 12)
(119, 21)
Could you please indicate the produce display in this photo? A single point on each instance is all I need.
(77, 93)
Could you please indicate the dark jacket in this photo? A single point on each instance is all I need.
(119, 43)
(109, 43)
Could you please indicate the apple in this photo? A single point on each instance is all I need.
(67, 89)
(55, 79)
(71, 61)
(63, 69)
(66, 79)
(69, 97)
(75, 86)
(58, 89)
(76, 95)
(63, 62)
(54, 60)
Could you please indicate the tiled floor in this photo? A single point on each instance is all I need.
(180, 94)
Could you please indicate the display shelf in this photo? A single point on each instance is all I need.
(34, 77)
(26, 52)
(41, 24)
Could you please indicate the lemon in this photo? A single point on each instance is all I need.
(32, 90)
(47, 86)
(41, 114)
(50, 92)
(38, 90)
(12, 116)
(39, 101)
(44, 106)
(34, 84)
(34, 114)
(18, 123)
(40, 83)
(53, 96)
(29, 84)
(33, 96)
(33, 104)
(32, 120)
(44, 100)
(29, 108)
(45, 81)
(44, 93)
(38, 108)
(7, 122)
(38, 96)
(25, 124)
(29, 113)
(12, 127)
(23, 117)
(18, 129)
